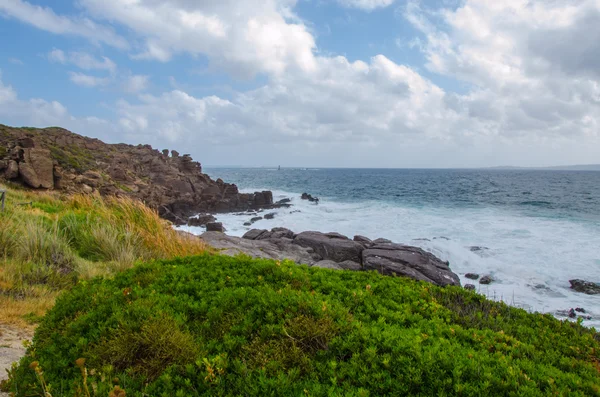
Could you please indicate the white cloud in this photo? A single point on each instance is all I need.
(136, 83)
(16, 61)
(86, 80)
(82, 60)
(366, 4)
(45, 19)
(244, 38)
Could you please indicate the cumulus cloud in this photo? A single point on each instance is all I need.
(244, 38)
(45, 18)
(136, 83)
(85, 80)
(533, 65)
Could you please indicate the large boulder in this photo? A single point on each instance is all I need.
(12, 170)
(28, 175)
(331, 246)
(585, 287)
(412, 262)
(43, 165)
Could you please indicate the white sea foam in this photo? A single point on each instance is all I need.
(531, 259)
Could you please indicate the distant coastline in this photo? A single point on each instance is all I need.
(583, 167)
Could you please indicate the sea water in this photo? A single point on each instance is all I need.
(532, 231)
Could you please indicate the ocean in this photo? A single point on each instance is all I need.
(532, 231)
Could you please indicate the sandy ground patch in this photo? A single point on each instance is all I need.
(11, 348)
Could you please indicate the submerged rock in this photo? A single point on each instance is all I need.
(472, 276)
(586, 287)
(486, 280)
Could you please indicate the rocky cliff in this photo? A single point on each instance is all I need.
(54, 158)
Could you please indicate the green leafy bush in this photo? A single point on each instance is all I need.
(220, 326)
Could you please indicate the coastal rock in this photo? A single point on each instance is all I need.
(270, 215)
(282, 232)
(306, 196)
(332, 246)
(382, 241)
(486, 280)
(362, 240)
(284, 201)
(254, 234)
(201, 220)
(412, 262)
(28, 175)
(173, 185)
(215, 227)
(269, 249)
(12, 170)
(350, 265)
(42, 164)
(472, 276)
(256, 219)
(470, 287)
(585, 287)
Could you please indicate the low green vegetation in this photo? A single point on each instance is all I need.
(220, 326)
(48, 242)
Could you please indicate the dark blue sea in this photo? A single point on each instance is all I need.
(532, 231)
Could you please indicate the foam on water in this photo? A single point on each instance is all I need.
(530, 258)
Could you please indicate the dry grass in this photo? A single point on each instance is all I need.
(49, 241)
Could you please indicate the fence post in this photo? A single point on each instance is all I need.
(2, 197)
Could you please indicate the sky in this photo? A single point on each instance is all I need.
(313, 83)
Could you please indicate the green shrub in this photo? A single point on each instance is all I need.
(220, 326)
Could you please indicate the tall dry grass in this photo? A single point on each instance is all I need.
(49, 241)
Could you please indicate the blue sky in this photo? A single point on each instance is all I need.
(382, 83)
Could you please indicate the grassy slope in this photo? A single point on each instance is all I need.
(48, 242)
(214, 325)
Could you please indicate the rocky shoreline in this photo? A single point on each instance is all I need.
(335, 251)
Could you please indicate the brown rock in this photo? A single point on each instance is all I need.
(28, 175)
(43, 166)
(12, 171)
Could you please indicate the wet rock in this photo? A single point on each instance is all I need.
(306, 196)
(585, 287)
(247, 223)
(270, 215)
(413, 262)
(472, 276)
(470, 287)
(215, 227)
(201, 220)
(441, 238)
(486, 280)
(572, 314)
(284, 201)
(255, 219)
(332, 246)
(421, 239)
(478, 249)
(580, 310)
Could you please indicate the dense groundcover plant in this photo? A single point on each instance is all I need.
(220, 326)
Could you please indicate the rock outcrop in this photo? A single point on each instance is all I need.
(173, 184)
(335, 251)
(585, 287)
